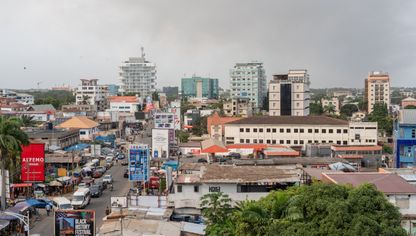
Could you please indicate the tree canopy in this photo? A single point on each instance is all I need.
(318, 209)
(348, 109)
(380, 115)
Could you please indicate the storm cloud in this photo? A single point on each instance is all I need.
(339, 42)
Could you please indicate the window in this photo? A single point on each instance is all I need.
(301, 142)
(247, 130)
(413, 133)
(309, 141)
(260, 140)
(324, 131)
(339, 142)
(402, 202)
(196, 188)
(301, 131)
(295, 142)
(338, 131)
(282, 130)
(241, 140)
(282, 142)
(287, 141)
(261, 130)
(255, 130)
(323, 141)
(82, 132)
(268, 130)
(274, 130)
(295, 131)
(241, 129)
(345, 131)
(330, 131)
(316, 131)
(254, 140)
(179, 188)
(310, 131)
(273, 141)
(268, 141)
(287, 130)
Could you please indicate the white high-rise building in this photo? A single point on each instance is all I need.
(138, 76)
(91, 93)
(289, 94)
(249, 80)
(377, 89)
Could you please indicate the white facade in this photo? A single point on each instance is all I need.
(334, 102)
(138, 76)
(25, 98)
(87, 134)
(377, 87)
(91, 93)
(238, 107)
(160, 143)
(289, 94)
(302, 134)
(249, 80)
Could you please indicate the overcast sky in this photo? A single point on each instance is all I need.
(339, 42)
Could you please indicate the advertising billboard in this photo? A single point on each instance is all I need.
(139, 162)
(164, 120)
(160, 143)
(33, 162)
(75, 222)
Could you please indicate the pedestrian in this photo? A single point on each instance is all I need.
(107, 211)
(48, 209)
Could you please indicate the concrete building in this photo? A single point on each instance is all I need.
(61, 138)
(289, 94)
(125, 104)
(331, 102)
(22, 98)
(91, 93)
(300, 130)
(249, 80)
(238, 182)
(199, 87)
(215, 125)
(88, 129)
(404, 138)
(138, 76)
(377, 89)
(342, 93)
(238, 107)
(113, 89)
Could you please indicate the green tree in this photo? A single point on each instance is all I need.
(265, 105)
(381, 116)
(410, 107)
(182, 135)
(216, 209)
(387, 149)
(316, 108)
(199, 126)
(155, 96)
(348, 109)
(330, 109)
(11, 139)
(27, 121)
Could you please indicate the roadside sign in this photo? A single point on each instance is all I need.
(138, 162)
(74, 222)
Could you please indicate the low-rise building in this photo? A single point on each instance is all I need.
(238, 107)
(404, 139)
(87, 128)
(125, 104)
(331, 105)
(300, 130)
(215, 125)
(408, 102)
(366, 156)
(61, 138)
(238, 182)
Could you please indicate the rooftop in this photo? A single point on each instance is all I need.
(290, 161)
(292, 120)
(250, 174)
(356, 148)
(385, 182)
(79, 122)
(127, 99)
(407, 116)
(47, 133)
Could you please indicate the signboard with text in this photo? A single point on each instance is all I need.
(139, 162)
(160, 143)
(33, 162)
(75, 222)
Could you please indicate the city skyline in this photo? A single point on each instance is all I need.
(338, 43)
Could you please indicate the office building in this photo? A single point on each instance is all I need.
(405, 139)
(377, 89)
(172, 93)
(138, 76)
(91, 93)
(289, 94)
(238, 107)
(249, 80)
(300, 130)
(199, 87)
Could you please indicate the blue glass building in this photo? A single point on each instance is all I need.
(199, 87)
(405, 139)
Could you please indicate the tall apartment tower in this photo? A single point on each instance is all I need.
(377, 89)
(289, 94)
(249, 80)
(137, 75)
(91, 93)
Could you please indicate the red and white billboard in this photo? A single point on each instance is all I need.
(33, 162)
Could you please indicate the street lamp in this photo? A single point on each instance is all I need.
(23, 218)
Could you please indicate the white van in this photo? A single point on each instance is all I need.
(81, 198)
(61, 203)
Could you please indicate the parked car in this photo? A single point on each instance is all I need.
(81, 198)
(96, 190)
(234, 155)
(88, 180)
(101, 168)
(121, 156)
(61, 203)
(124, 163)
(202, 160)
(126, 173)
(102, 184)
(108, 179)
(97, 174)
(43, 202)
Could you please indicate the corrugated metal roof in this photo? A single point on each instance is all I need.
(408, 116)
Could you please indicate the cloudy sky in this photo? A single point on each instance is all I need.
(339, 42)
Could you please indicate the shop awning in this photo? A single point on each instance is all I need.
(21, 185)
(6, 217)
(4, 224)
(34, 203)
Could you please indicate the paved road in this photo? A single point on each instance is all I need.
(121, 187)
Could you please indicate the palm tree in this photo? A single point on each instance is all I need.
(330, 109)
(252, 218)
(27, 121)
(11, 139)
